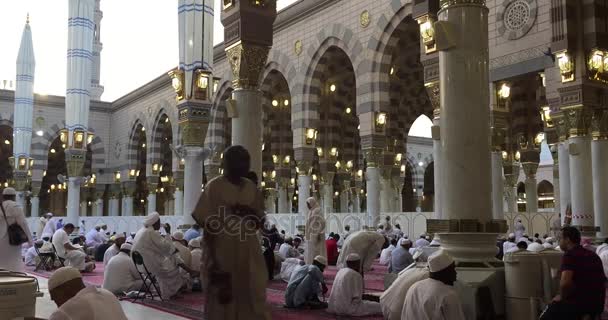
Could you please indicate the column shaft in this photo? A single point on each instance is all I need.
(512, 200)
(465, 158)
(35, 207)
(531, 195)
(581, 181)
(247, 126)
(497, 186)
(127, 206)
(565, 197)
(328, 198)
(436, 175)
(385, 195)
(284, 206)
(179, 203)
(99, 208)
(373, 195)
(73, 211)
(599, 153)
(304, 182)
(20, 199)
(151, 202)
(193, 181)
(114, 210)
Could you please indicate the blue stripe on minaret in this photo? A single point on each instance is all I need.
(77, 91)
(24, 100)
(26, 129)
(25, 77)
(76, 126)
(194, 65)
(81, 22)
(195, 7)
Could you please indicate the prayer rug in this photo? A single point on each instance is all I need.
(94, 278)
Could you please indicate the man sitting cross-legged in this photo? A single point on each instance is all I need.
(346, 298)
(305, 285)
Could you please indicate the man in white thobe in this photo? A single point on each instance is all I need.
(286, 250)
(94, 238)
(161, 257)
(197, 253)
(42, 223)
(602, 252)
(509, 244)
(519, 230)
(346, 297)
(73, 255)
(435, 298)
(386, 254)
(114, 249)
(31, 257)
(51, 226)
(367, 244)
(184, 252)
(422, 241)
(288, 266)
(77, 302)
(120, 274)
(306, 284)
(314, 233)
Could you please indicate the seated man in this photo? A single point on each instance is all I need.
(120, 274)
(435, 297)
(401, 257)
(197, 253)
(72, 254)
(114, 249)
(367, 244)
(162, 258)
(422, 242)
(77, 302)
(31, 257)
(193, 232)
(305, 285)
(94, 238)
(346, 298)
(184, 252)
(386, 254)
(288, 266)
(287, 250)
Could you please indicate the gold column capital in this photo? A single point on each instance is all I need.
(578, 120)
(374, 157)
(434, 92)
(599, 124)
(561, 125)
(247, 62)
(530, 169)
(449, 3)
(304, 168)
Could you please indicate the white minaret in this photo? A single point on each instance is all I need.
(24, 105)
(96, 87)
(81, 29)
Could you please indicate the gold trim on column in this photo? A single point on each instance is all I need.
(561, 125)
(448, 3)
(247, 62)
(578, 120)
(297, 47)
(365, 19)
(374, 157)
(599, 124)
(434, 92)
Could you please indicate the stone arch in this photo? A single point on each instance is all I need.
(41, 145)
(132, 146)
(280, 62)
(277, 125)
(375, 91)
(156, 135)
(98, 161)
(305, 112)
(218, 130)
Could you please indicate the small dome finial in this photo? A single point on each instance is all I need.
(27, 20)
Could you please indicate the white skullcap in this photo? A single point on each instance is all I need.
(63, 275)
(120, 235)
(535, 247)
(9, 192)
(435, 242)
(423, 234)
(439, 261)
(404, 241)
(178, 235)
(288, 239)
(511, 235)
(353, 257)
(98, 225)
(194, 243)
(126, 246)
(151, 219)
(321, 259)
(46, 235)
(49, 214)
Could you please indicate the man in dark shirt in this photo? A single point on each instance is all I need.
(582, 284)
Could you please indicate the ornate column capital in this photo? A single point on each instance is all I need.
(304, 168)
(451, 3)
(128, 188)
(561, 125)
(75, 159)
(247, 60)
(433, 91)
(511, 172)
(530, 169)
(578, 120)
(599, 124)
(374, 157)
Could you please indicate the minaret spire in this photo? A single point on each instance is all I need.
(23, 113)
(27, 19)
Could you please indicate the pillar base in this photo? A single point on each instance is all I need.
(466, 247)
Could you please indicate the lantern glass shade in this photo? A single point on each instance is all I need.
(333, 152)
(90, 138)
(132, 173)
(63, 136)
(22, 162)
(287, 159)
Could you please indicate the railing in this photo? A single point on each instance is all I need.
(412, 223)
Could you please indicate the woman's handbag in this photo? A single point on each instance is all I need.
(16, 235)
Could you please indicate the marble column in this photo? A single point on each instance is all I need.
(178, 202)
(581, 181)
(35, 208)
(385, 194)
(436, 169)
(372, 176)
(464, 76)
(327, 190)
(73, 209)
(127, 206)
(565, 196)
(304, 182)
(193, 180)
(247, 125)
(113, 207)
(284, 200)
(151, 201)
(530, 169)
(357, 202)
(271, 198)
(497, 186)
(98, 209)
(84, 208)
(599, 154)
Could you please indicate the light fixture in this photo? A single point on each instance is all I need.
(596, 60)
(155, 168)
(543, 79)
(380, 122)
(546, 116)
(142, 201)
(314, 177)
(402, 169)
(566, 66)
(63, 136)
(348, 110)
(167, 120)
(53, 150)
(263, 184)
(52, 187)
(392, 71)
(164, 179)
(263, 146)
(336, 193)
(332, 87)
(143, 145)
(360, 173)
(286, 102)
(44, 173)
(275, 103)
(132, 173)
(292, 181)
(517, 156)
(505, 155)
(90, 137)
(295, 198)
(7, 142)
(320, 152)
(333, 152)
(63, 146)
(297, 170)
(421, 164)
(40, 133)
(338, 165)
(143, 128)
(273, 174)
(539, 138)
(275, 159)
(398, 157)
(310, 136)
(78, 139)
(162, 189)
(427, 33)
(287, 159)
(177, 80)
(505, 91)
(349, 164)
(216, 85)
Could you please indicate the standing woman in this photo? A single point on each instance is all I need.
(314, 233)
(10, 214)
(230, 210)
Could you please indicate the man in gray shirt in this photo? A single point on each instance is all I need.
(401, 257)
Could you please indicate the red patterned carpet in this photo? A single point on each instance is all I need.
(191, 305)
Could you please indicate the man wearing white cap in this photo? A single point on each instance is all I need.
(196, 252)
(77, 302)
(386, 254)
(73, 255)
(435, 298)
(550, 244)
(42, 222)
(10, 255)
(401, 257)
(115, 248)
(314, 233)
(305, 285)
(286, 250)
(422, 241)
(161, 257)
(184, 252)
(509, 244)
(120, 274)
(367, 244)
(94, 238)
(346, 298)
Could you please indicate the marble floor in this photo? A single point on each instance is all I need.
(44, 307)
